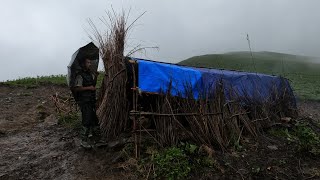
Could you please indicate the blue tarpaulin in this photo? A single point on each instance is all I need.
(156, 77)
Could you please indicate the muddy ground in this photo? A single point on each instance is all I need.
(34, 146)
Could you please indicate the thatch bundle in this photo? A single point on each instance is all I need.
(216, 120)
(113, 107)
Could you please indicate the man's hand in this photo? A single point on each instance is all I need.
(91, 88)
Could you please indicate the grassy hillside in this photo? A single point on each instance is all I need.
(35, 81)
(54, 79)
(302, 71)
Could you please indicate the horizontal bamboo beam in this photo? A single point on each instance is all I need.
(173, 114)
(133, 61)
(145, 130)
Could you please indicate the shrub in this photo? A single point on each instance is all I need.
(172, 163)
(308, 141)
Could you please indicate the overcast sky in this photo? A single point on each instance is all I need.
(38, 37)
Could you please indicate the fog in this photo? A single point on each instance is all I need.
(38, 37)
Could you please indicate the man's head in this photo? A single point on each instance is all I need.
(86, 63)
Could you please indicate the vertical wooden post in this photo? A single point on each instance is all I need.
(135, 108)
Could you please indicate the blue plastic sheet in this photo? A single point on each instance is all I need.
(160, 78)
(156, 77)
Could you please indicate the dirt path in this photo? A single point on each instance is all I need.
(34, 146)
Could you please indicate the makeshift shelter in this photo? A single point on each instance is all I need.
(172, 103)
(210, 106)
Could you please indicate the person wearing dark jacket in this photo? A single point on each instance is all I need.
(86, 98)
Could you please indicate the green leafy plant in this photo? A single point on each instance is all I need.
(308, 141)
(282, 133)
(237, 146)
(172, 163)
(255, 170)
(188, 148)
(282, 162)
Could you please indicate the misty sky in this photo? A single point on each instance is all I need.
(38, 37)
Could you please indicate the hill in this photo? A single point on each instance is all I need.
(302, 71)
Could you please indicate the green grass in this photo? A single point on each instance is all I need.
(308, 141)
(71, 120)
(36, 81)
(302, 71)
(54, 79)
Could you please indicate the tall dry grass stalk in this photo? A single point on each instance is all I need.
(113, 105)
(218, 120)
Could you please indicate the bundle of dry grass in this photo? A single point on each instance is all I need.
(113, 107)
(279, 104)
(216, 120)
(209, 121)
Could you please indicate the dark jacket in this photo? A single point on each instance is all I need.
(88, 95)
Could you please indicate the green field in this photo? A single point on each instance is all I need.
(36, 81)
(302, 71)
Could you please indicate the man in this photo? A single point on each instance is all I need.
(85, 91)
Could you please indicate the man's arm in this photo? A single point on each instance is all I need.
(79, 87)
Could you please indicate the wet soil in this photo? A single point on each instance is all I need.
(34, 146)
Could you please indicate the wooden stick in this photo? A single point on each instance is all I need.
(144, 130)
(134, 103)
(133, 61)
(238, 114)
(178, 114)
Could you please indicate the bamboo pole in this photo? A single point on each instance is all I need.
(135, 104)
(173, 114)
